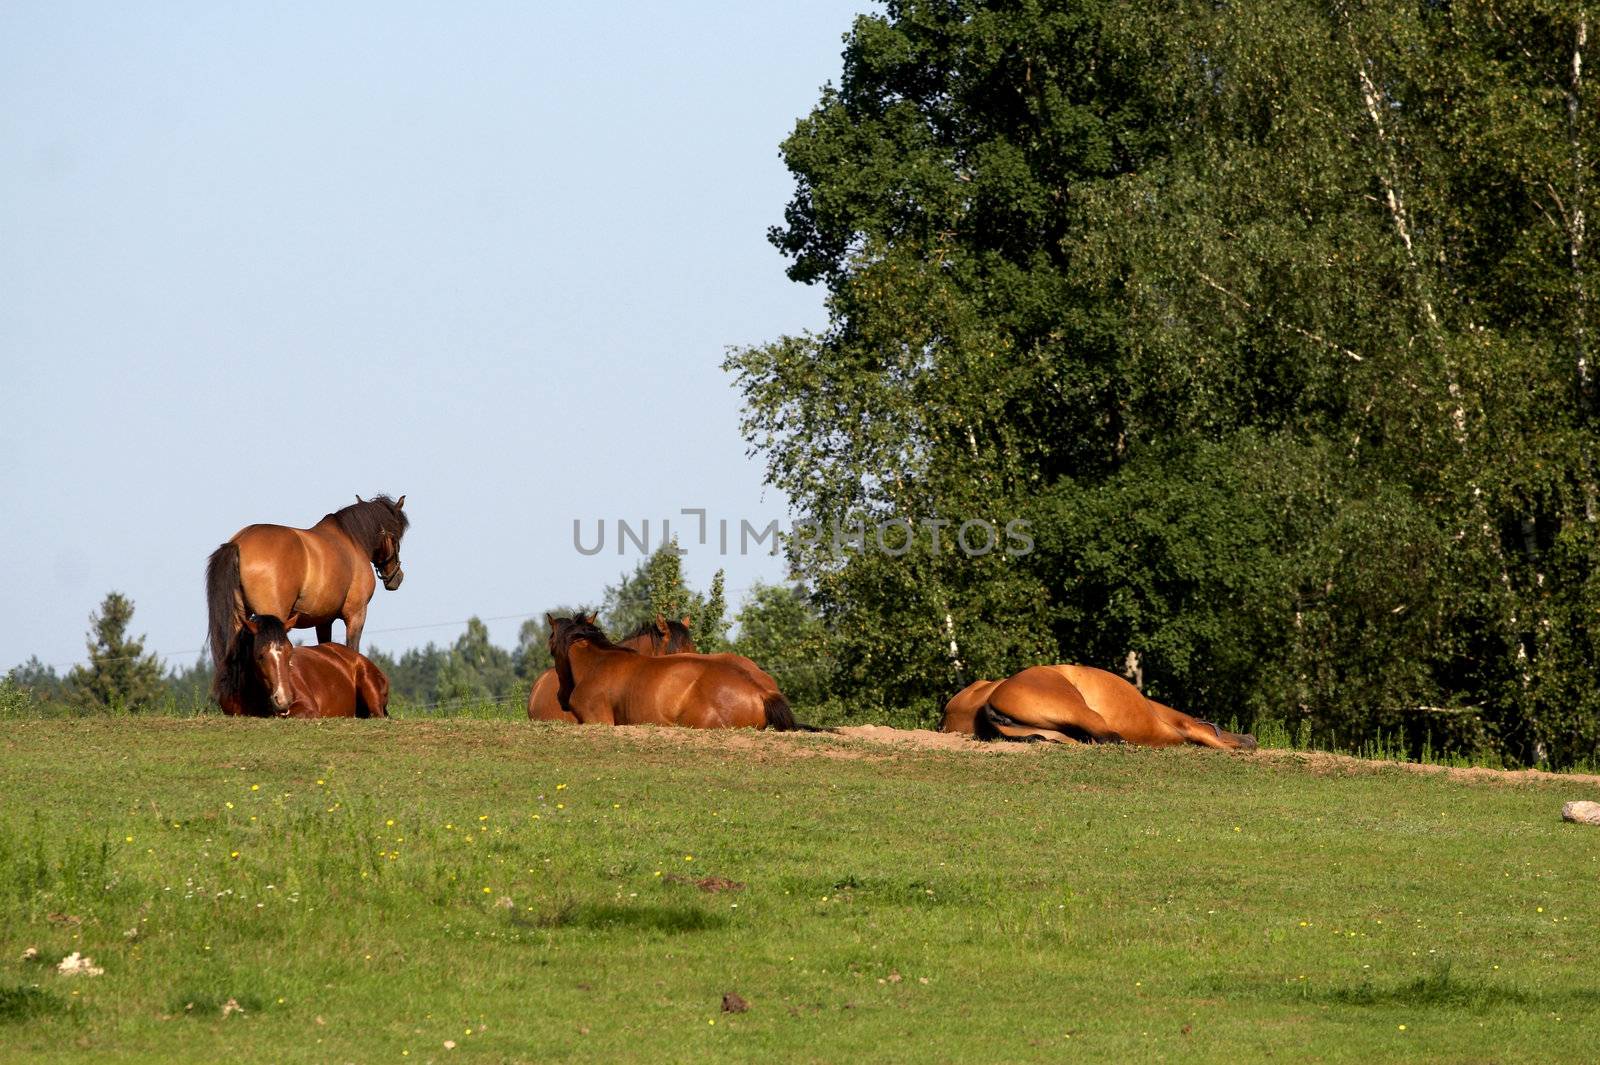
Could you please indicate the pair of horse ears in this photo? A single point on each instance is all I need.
(399, 504)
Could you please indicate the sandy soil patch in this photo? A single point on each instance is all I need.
(859, 742)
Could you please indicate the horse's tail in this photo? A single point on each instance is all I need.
(780, 718)
(224, 596)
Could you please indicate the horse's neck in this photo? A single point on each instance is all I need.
(583, 657)
(644, 643)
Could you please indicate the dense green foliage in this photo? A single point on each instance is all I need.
(530, 893)
(1272, 319)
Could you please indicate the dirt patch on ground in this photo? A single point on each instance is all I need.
(850, 742)
(1322, 762)
(853, 742)
(929, 740)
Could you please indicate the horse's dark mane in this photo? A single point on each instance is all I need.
(270, 630)
(369, 520)
(563, 636)
(677, 637)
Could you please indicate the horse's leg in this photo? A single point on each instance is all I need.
(372, 692)
(354, 622)
(1042, 700)
(1206, 734)
(1202, 733)
(591, 711)
(325, 631)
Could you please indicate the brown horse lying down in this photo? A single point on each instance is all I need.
(274, 678)
(600, 682)
(661, 638)
(1065, 704)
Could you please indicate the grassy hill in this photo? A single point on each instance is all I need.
(374, 891)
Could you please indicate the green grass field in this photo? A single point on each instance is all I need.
(374, 891)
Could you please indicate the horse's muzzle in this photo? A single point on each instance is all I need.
(392, 581)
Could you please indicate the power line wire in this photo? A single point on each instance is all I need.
(166, 655)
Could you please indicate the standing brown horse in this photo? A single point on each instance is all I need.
(268, 676)
(1067, 703)
(602, 683)
(663, 637)
(313, 575)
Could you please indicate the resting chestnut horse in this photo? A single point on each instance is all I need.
(663, 637)
(271, 677)
(312, 575)
(600, 682)
(1064, 704)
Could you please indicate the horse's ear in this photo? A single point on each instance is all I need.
(685, 622)
(358, 497)
(289, 622)
(400, 504)
(550, 620)
(661, 625)
(251, 624)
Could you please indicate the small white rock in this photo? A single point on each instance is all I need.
(1581, 812)
(76, 964)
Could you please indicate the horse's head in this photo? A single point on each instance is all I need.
(675, 636)
(387, 558)
(382, 522)
(270, 650)
(564, 632)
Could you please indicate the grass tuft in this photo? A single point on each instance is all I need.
(1434, 990)
(24, 1002)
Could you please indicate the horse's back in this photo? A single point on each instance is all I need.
(762, 678)
(329, 675)
(296, 571)
(700, 691)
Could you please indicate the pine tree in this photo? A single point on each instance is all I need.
(656, 588)
(120, 674)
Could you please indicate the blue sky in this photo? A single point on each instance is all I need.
(258, 259)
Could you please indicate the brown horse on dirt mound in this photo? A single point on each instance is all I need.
(654, 640)
(311, 575)
(662, 637)
(602, 683)
(1065, 704)
(270, 677)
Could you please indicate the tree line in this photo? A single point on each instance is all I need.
(1274, 320)
(119, 674)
